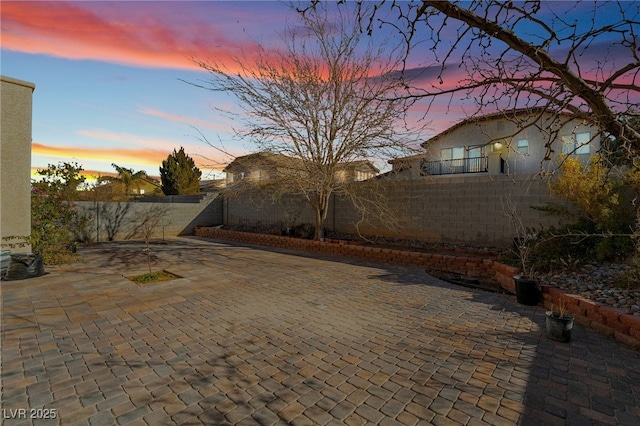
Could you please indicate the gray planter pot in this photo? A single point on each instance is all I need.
(559, 327)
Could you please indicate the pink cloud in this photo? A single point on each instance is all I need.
(182, 119)
(128, 139)
(130, 37)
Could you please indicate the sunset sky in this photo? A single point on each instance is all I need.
(108, 77)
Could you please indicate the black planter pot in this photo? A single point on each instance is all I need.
(559, 327)
(527, 292)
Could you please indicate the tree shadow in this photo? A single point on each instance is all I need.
(500, 343)
(591, 379)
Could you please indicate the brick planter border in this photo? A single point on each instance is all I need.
(609, 321)
(601, 318)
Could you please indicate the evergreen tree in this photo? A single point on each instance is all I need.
(179, 174)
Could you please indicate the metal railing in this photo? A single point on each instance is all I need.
(461, 165)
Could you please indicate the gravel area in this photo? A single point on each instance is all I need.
(599, 283)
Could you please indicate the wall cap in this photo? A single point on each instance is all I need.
(17, 82)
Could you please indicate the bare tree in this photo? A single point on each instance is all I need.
(329, 98)
(147, 222)
(577, 60)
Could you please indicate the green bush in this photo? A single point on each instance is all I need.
(52, 214)
(601, 230)
(51, 221)
(577, 244)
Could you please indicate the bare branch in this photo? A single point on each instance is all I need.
(570, 58)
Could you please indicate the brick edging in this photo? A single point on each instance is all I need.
(490, 271)
(602, 318)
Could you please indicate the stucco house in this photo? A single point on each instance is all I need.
(115, 191)
(515, 142)
(212, 185)
(261, 166)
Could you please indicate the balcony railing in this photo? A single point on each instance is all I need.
(462, 165)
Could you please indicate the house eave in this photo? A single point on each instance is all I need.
(509, 114)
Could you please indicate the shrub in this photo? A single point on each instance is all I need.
(602, 228)
(568, 246)
(601, 194)
(51, 222)
(53, 217)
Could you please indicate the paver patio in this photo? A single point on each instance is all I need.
(257, 336)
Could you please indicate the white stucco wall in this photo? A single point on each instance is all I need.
(508, 133)
(487, 132)
(15, 159)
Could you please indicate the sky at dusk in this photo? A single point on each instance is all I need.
(108, 77)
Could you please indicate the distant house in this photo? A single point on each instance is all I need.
(501, 143)
(262, 166)
(357, 171)
(257, 167)
(148, 186)
(211, 185)
(116, 190)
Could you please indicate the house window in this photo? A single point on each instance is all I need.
(523, 146)
(578, 143)
(362, 175)
(582, 143)
(456, 153)
(500, 125)
(474, 151)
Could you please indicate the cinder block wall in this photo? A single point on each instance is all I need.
(123, 221)
(462, 209)
(252, 209)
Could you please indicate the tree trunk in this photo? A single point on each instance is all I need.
(321, 208)
(319, 232)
